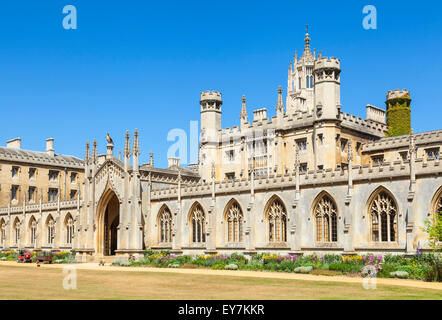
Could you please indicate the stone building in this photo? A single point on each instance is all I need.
(310, 179)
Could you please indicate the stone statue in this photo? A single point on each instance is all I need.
(109, 139)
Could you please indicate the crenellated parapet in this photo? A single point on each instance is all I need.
(37, 207)
(375, 128)
(424, 138)
(310, 179)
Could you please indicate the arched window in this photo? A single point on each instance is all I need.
(438, 208)
(307, 81)
(33, 230)
(311, 82)
(17, 230)
(3, 232)
(326, 220)
(50, 227)
(198, 219)
(69, 227)
(165, 225)
(234, 219)
(383, 212)
(277, 219)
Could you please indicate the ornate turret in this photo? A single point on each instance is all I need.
(307, 55)
(398, 113)
(327, 79)
(211, 102)
(300, 84)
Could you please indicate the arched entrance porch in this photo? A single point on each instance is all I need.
(108, 220)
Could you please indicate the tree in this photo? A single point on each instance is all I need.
(433, 227)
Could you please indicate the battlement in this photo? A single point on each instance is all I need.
(395, 94)
(259, 114)
(211, 96)
(423, 138)
(375, 114)
(325, 62)
(365, 125)
(313, 178)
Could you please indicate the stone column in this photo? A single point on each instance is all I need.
(410, 218)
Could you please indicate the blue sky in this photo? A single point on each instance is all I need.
(140, 64)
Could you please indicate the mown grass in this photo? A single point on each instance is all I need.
(18, 282)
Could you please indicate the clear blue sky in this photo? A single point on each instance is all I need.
(140, 64)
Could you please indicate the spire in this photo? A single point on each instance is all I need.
(136, 148)
(151, 159)
(280, 103)
(127, 145)
(86, 154)
(307, 52)
(94, 150)
(243, 116)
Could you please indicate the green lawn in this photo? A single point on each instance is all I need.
(20, 282)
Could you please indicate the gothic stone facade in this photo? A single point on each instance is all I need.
(310, 179)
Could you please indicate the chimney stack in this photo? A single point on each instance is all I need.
(50, 147)
(173, 162)
(14, 143)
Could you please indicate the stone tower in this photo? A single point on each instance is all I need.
(327, 88)
(398, 113)
(210, 102)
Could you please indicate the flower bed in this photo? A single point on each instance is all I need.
(421, 266)
(57, 256)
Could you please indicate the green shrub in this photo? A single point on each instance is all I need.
(345, 267)
(331, 258)
(399, 274)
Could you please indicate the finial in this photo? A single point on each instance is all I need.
(280, 103)
(151, 158)
(306, 28)
(127, 145)
(86, 155)
(243, 115)
(94, 150)
(307, 52)
(136, 148)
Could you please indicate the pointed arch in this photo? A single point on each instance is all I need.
(197, 220)
(69, 228)
(383, 211)
(50, 229)
(2, 232)
(33, 230)
(325, 215)
(436, 203)
(234, 218)
(436, 207)
(276, 215)
(107, 223)
(17, 227)
(165, 223)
